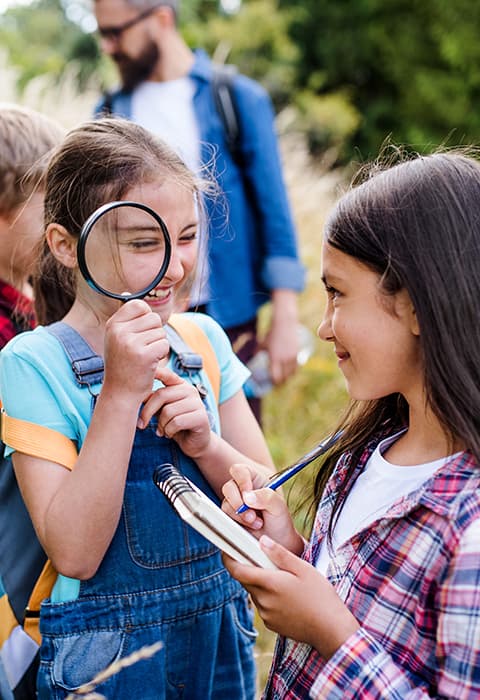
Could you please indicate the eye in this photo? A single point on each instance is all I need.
(188, 237)
(332, 293)
(146, 244)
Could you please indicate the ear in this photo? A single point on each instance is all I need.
(415, 328)
(165, 16)
(405, 309)
(62, 244)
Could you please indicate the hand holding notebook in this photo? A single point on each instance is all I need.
(199, 511)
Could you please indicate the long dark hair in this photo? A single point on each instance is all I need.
(417, 224)
(98, 162)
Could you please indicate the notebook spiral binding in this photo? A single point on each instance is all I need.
(171, 481)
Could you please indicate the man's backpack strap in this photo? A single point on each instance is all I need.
(196, 338)
(226, 106)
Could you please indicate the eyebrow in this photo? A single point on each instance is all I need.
(194, 224)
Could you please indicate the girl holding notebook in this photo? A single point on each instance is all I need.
(383, 603)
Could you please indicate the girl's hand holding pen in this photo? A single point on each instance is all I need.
(296, 601)
(268, 513)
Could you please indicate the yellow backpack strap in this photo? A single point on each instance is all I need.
(38, 441)
(8, 621)
(197, 339)
(42, 590)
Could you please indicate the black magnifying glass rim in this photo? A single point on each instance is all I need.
(86, 230)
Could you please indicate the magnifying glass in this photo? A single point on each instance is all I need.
(124, 250)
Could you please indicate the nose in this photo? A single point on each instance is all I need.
(175, 272)
(108, 45)
(324, 330)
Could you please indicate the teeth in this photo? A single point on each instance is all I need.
(159, 293)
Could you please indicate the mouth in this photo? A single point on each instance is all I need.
(159, 295)
(342, 355)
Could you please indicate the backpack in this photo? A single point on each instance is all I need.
(27, 574)
(225, 104)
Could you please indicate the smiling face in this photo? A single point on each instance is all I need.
(126, 249)
(175, 204)
(375, 336)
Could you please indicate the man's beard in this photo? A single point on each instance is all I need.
(135, 70)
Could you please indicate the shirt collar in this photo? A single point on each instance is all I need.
(202, 66)
(439, 493)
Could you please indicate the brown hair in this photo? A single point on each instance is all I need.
(416, 224)
(98, 162)
(26, 139)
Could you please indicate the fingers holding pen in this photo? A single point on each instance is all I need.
(244, 480)
(267, 512)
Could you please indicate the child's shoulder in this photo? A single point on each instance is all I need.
(214, 332)
(29, 342)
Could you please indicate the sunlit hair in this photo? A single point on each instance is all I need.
(417, 224)
(26, 139)
(98, 162)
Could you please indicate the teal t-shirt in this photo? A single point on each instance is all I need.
(37, 384)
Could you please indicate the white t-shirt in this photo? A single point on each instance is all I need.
(166, 109)
(374, 491)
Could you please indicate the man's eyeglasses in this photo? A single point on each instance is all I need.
(114, 33)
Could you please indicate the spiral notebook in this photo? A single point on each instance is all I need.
(199, 511)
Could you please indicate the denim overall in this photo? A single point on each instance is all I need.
(159, 581)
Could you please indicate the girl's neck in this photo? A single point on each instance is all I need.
(89, 323)
(425, 441)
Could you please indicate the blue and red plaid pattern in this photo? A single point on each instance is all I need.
(412, 580)
(16, 313)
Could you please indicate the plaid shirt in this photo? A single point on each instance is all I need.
(16, 313)
(412, 580)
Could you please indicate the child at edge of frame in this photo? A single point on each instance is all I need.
(383, 602)
(26, 138)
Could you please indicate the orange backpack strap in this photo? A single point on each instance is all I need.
(38, 441)
(42, 590)
(196, 338)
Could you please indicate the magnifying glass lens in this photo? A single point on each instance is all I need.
(124, 251)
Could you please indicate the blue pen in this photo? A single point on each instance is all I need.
(278, 479)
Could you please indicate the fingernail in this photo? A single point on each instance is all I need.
(266, 541)
(249, 498)
(249, 516)
(140, 424)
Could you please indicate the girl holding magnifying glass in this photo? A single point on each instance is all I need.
(130, 572)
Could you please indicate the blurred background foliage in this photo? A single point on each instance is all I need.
(348, 73)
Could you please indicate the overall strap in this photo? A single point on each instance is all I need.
(192, 337)
(87, 366)
(185, 360)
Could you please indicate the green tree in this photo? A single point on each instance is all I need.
(410, 67)
(41, 40)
